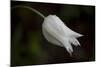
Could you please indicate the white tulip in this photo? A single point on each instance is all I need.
(56, 32)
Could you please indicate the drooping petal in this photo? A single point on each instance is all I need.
(74, 41)
(67, 45)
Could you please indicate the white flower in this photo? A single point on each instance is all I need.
(56, 32)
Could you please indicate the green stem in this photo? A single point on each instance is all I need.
(32, 9)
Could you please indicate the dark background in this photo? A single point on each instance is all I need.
(28, 45)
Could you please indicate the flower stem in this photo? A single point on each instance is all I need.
(32, 9)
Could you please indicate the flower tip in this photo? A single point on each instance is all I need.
(79, 35)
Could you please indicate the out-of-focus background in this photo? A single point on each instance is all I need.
(28, 45)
